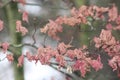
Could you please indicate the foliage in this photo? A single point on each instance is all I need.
(65, 55)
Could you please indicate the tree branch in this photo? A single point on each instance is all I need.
(25, 44)
(6, 3)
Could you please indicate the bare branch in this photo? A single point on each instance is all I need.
(33, 36)
(5, 4)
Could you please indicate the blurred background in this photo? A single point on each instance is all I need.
(40, 11)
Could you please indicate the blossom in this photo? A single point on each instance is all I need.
(45, 29)
(20, 28)
(20, 60)
(99, 12)
(96, 64)
(25, 16)
(109, 27)
(113, 13)
(44, 54)
(98, 42)
(113, 63)
(70, 54)
(1, 25)
(117, 27)
(5, 46)
(29, 56)
(22, 2)
(60, 60)
(118, 20)
(72, 21)
(52, 28)
(81, 66)
(10, 57)
(62, 47)
(107, 37)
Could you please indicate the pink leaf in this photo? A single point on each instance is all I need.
(10, 57)
(113, 13)
(20, 28)
(22, 2)
(96, 64)
(25, 16)
(109, 26)
(5, 46)
(82, 66)
(20, 61)
(1, 25)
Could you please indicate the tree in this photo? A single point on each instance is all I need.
(76, 62)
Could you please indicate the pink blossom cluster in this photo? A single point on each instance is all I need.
(25, 16)
(113, 13)
(111, 46)
(64, 53)
(1, 25)
(114, 19)
(107, 41)
(78, 16)
(20, 28)
(5, 47)
(52, 28)
(82, 62)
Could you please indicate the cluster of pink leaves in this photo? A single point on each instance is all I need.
(1, 25)
(82, 62)
(77, 17)
(5, 47)
(107, 41)
(111, 46)
(25, 16)
(20, 28)
(52, 28)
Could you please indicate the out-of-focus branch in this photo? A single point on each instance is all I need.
(70, 3)
(25, 44)
(6, 3)
(3, 59)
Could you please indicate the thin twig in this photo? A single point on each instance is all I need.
(33, 36)
(3, 59)
(45, 38)
(71, 40)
